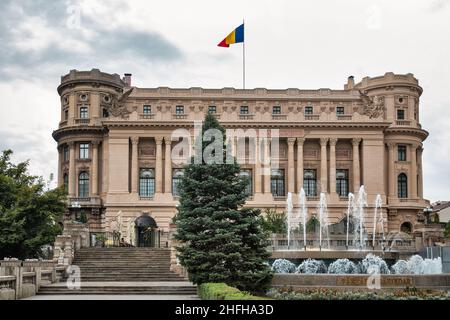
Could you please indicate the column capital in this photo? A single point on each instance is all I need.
(159, 140)
(95, 143)
(391, 145)
(291, 141)
(300, 141)
(71, 144)
(356, 141)
(168, 140)
(135, 141)
(333, 142)
(414, 145)
(323, 142)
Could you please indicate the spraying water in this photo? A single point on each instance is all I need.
(289, 209)
(351, 205)
(360, 205)
(378, 204)
(303, 213)
(323, 220)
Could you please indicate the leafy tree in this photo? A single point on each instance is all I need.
(312, 225)
(221, 240)
(28, 213)
(274, 222)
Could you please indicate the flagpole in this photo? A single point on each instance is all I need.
(243, 57)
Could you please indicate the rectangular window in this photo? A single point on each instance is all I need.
(276, 110)
(277, 183)
(340, 111)
(66, 153)
(84, 114)
(309, 110)
(147, 110)
(66, 115)
(147, 183)
(84, 150)
(212, 109)
(400, 114)
(179, 109)
(177, 176)
(310, 182)
(342, 188)
(247, 173)
(244, 110)
(401, 153)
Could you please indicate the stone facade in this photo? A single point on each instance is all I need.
(367, 134)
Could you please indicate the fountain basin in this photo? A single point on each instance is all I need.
(331, 254)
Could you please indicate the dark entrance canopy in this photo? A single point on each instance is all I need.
(146, 222)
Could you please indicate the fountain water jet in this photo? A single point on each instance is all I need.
(360, 205)
(303, 214)
(351, 205)
(289, 209)
(323, 220)
(378, 204)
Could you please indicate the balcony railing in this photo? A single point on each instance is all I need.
(312, 117)
(179, 116)
(279, 116)
(403, 122)
(147, 116)
(82, 121)
(344, 117)
(246, 116)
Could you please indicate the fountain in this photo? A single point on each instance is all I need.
(323, 220)
(303, 214)
(360, 205)
(350, 207)
(378, 204)
(289, 209)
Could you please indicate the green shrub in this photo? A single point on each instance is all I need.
(221, 291)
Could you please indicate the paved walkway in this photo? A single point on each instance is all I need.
(87, 284)
(112, 297)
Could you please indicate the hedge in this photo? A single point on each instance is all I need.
(221, 291)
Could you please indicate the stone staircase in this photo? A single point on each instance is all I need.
(119, 271)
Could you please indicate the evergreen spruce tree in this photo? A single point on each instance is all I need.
(221, 240)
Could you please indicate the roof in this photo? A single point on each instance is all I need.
(440, 205)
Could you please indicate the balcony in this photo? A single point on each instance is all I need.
(147, 116)
(405, 123)
(310, 117)
(343, 117)
(279, 116)
(82, 121)
(179, 116)
(246, 116)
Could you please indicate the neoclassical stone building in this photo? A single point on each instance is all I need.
(115, 144)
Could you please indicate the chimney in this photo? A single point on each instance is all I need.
(127, 79)
(350, 83)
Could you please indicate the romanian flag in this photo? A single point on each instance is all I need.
(236, 36)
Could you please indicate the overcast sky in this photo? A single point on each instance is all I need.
(304, 44)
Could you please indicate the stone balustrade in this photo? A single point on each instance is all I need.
(22, 279)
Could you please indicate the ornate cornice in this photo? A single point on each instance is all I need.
(78, 131)
(420, 133)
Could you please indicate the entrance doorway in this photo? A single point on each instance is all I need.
(147, 233)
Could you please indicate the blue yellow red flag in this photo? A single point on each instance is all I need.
(237, 36)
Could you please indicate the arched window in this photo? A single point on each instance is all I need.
(406, 227)
(83, 185)
(402, 182)
(247, 173)
(66, 182)
(147, 183)
(277, 183)
(310, 182)
(177, 175)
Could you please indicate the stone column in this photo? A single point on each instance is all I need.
(72, 170)
(134, 164)
(420, 170)
(168, 165)
(333, 142)
(267, 169)
(300, 142)
(257, 166)
(158, 171)
(356, 166)
(291, 165)
(60, 160)
(323, 165)
(413, 178)
(391, 160)
(94, 173)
